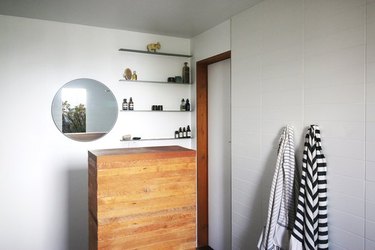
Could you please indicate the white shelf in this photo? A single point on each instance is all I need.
(152, 81)
(154, 111)
(155, 53)
(158, 139)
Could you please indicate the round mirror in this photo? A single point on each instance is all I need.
(84, 109)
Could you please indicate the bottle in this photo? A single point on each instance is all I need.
(180, 135)
(124, 105)
(187, 105)
(182, 105)
(131, 104)
(134, 76)
(184, 132)
(188, 132)
(185, 73)
(176, 134)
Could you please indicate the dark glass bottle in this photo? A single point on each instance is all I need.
(180, 134)
(176, 134)
(187, 105)
(184, 132)
(182, 105)
(131, 104)
(124, 105)
(185, 73)
(188, 132)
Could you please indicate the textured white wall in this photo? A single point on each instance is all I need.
(301, 63)
(370, 125)
(267, 93)
(43, 175)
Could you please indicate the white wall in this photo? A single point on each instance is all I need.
(370, 125)
(43, 175)
(210, 43)
(305, 62)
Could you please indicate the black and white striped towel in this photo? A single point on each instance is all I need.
(281, 208)
(310, 230)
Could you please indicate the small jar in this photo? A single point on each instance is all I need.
(134, 76)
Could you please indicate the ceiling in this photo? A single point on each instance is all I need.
(181, 18)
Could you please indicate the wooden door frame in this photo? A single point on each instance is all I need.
(202, 144)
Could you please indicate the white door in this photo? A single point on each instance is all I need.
(219, 151)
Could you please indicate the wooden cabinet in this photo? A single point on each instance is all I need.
(142, 198)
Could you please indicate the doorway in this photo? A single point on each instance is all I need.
(206, 152)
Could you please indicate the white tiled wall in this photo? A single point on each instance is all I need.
(305, 62)
(370, 125)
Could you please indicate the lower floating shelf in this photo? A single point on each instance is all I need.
(182, 111)
(158, 139)
(152, 81)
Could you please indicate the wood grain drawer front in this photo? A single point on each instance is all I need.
(144, 200)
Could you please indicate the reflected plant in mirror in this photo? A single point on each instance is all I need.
(73, 119)
(84, 109)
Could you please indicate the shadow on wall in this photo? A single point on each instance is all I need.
(259, 205)
(77, 207)
(259, 209)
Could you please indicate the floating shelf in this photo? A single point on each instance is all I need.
(158, 139)
(151, 81)
(154, 111)
(155, 53)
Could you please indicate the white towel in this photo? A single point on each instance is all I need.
(281, 208)
(310, 230)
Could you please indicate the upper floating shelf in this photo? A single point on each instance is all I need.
(155, 53)
(152, 81)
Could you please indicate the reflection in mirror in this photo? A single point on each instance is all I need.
(73, 110)
(84, 109)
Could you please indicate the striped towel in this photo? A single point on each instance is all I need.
(282, 205)
(311, 226)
